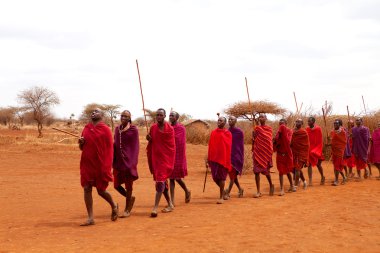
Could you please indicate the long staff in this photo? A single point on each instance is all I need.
(249, 101)
(142, 97)
(295, 100)
(348, 119)
(63, 131)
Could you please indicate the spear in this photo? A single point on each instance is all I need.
(63, 131)
(295, 99)
(142, 97)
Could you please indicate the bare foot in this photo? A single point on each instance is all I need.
(304, 185)
(131, 203)
(271, 190)
(257, 195)
(241, 192)
(335, 183)
(323, 179)
(282, 193)
(291, 189)
(153, 214)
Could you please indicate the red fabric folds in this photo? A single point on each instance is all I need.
(338, 145)
(300, 147)
(375, 147)
(316, 144)
(161, 152)
(97, 154)
(219, 147)
(284, 156)
(263, 146)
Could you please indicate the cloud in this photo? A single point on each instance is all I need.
(50, 39)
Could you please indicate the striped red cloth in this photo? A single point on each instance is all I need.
(262, 146)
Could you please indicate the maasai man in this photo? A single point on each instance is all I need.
(300, 148)
(375, 148)
(161, 157)
(125, 159)
(262, 154)
(96, 163)
(180, 164)
(284, 156)
(349, 158)
(338, 144)
(360, 144)
(316, 145)
(219, 156)
(237, 156)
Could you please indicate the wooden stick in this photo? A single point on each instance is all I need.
(142, 97)
(63, 131)
(249, 101)
(365, 110)
(348, 119)
(295, 99)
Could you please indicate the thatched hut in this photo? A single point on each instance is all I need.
(197, 131)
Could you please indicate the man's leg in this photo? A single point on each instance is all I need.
(221, 189)
(160, 187)
(336, 174)
(282, 192)
(303, 179)
(87, 190)
(296, 179)
(241, 190)
(257, 180)
(184, 187)
(168, 200)
(120, 189)
(310, 174)
(345, 171)
(289, 175)
(107, 196)
(320, 169)
(129, 199)
(378, 167)
(271, 186)
(172, 187)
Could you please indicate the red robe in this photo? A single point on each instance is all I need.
(161, 152)
(219, 147)
(263, 147)
(338, 144)
(316, 144)
(97, 155)
(284, 156)
(300, 147)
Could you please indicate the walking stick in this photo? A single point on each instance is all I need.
(204, 184)
(63, 131)
(249, 102)
(142, 97)
(327, 135)
(295, 100)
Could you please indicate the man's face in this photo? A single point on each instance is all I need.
(173, 117)
(358, 122)
(221, 122)
(299, 123)
(160, 116)
(336, 125)
(262, 118)
(310, 122)
(125, 117)
(351, 123)
(232, 121)
(96, 114)
(282, 122)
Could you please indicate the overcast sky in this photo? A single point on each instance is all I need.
(193, 55)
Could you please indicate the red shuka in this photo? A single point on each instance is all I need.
(300, 147)
(97, 155)
(284, 156)
(219, 147)
(161, 152)
(263, 145)
(316, 144)
(338, 145)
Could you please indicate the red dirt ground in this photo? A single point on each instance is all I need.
(42, 207)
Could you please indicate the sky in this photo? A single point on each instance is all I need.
(193, 55)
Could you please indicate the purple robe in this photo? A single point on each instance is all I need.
(360, 142)
(126, 152)
(237, 150)
(180, 163)
(347, 150)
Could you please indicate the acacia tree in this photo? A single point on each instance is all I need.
(249, 111)
(110, 112)
(39, 101)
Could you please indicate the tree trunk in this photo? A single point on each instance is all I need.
(39, 127)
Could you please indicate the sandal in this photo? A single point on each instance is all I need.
(257, 195)
(131, 203)
(153, 214)
(88, 223)
(188, 197)
(167, 209)
(241, 192)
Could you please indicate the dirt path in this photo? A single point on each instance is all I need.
(42, 206)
